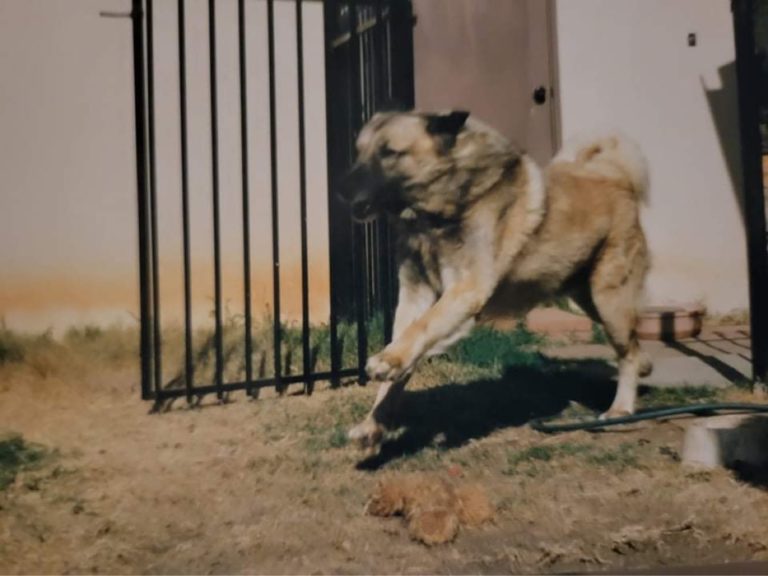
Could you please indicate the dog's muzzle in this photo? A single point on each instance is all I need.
(359, 190)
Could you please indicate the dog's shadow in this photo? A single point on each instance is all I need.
(453, 414)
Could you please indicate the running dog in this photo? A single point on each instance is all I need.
(482, 232)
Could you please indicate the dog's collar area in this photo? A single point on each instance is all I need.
(428, 219)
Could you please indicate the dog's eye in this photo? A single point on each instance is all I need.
(387, 152)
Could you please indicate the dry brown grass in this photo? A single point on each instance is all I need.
(271, 486)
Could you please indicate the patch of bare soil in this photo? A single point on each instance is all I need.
(270, 486)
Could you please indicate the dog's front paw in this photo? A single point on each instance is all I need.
(367, 435)
(385, 366)
(616, 412)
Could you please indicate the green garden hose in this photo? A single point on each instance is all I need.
(545, 425)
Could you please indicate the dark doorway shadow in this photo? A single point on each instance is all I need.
(454, 414)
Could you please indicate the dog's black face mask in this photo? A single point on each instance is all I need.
(369, 193)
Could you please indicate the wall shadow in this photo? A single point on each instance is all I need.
(724, 107)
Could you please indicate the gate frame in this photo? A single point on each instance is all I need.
(341, 232)
(752, 185)
(368, 253)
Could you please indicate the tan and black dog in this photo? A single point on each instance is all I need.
(482, 233)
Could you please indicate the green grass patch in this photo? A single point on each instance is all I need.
(338, 437)
(113, 345)
(16, 347)
(532, 454)
(598, 334)
(11, 347)
(484, 348)
(483, 351)
(680, 396)
(291, 347)
(574, 449)
(16, 455)
(530, 460)
(488, 348)
(323, 438)
(624, 456)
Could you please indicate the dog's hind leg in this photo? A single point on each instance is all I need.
(615, 285)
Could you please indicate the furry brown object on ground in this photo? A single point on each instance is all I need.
(433, 506)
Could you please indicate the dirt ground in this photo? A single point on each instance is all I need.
(270, 485)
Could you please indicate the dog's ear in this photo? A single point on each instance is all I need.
(445, 127)
(446, 124)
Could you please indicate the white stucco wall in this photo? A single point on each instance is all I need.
(68, 244)
(627, 64)
(67, 192)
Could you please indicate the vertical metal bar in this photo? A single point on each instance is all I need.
(218, 337)
(333, 81)
(385, 287)
(374, 262)
(401, 18)
(275, 213)
(141, 181)
(400, 88)
(246, 199)
(354, 71)
(358, 229)
(749, 90)
(372, 265)
(394, 277)
(380, 51)
(360, 299)
(189, 368)
(157, 336)
(363, 39)
(370, 57)
(366, 112)
(391, 245)
(384, 244)
(366, 71)
(305, 352)
(390, 93)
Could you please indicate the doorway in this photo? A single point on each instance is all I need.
(494, 58)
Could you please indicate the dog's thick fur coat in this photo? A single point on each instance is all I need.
(483, 233)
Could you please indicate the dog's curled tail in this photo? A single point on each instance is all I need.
(611, 156)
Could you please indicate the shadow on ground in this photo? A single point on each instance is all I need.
(453, 414)
(725, 370)
(743, 449)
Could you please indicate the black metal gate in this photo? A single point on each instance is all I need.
(368, 65)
